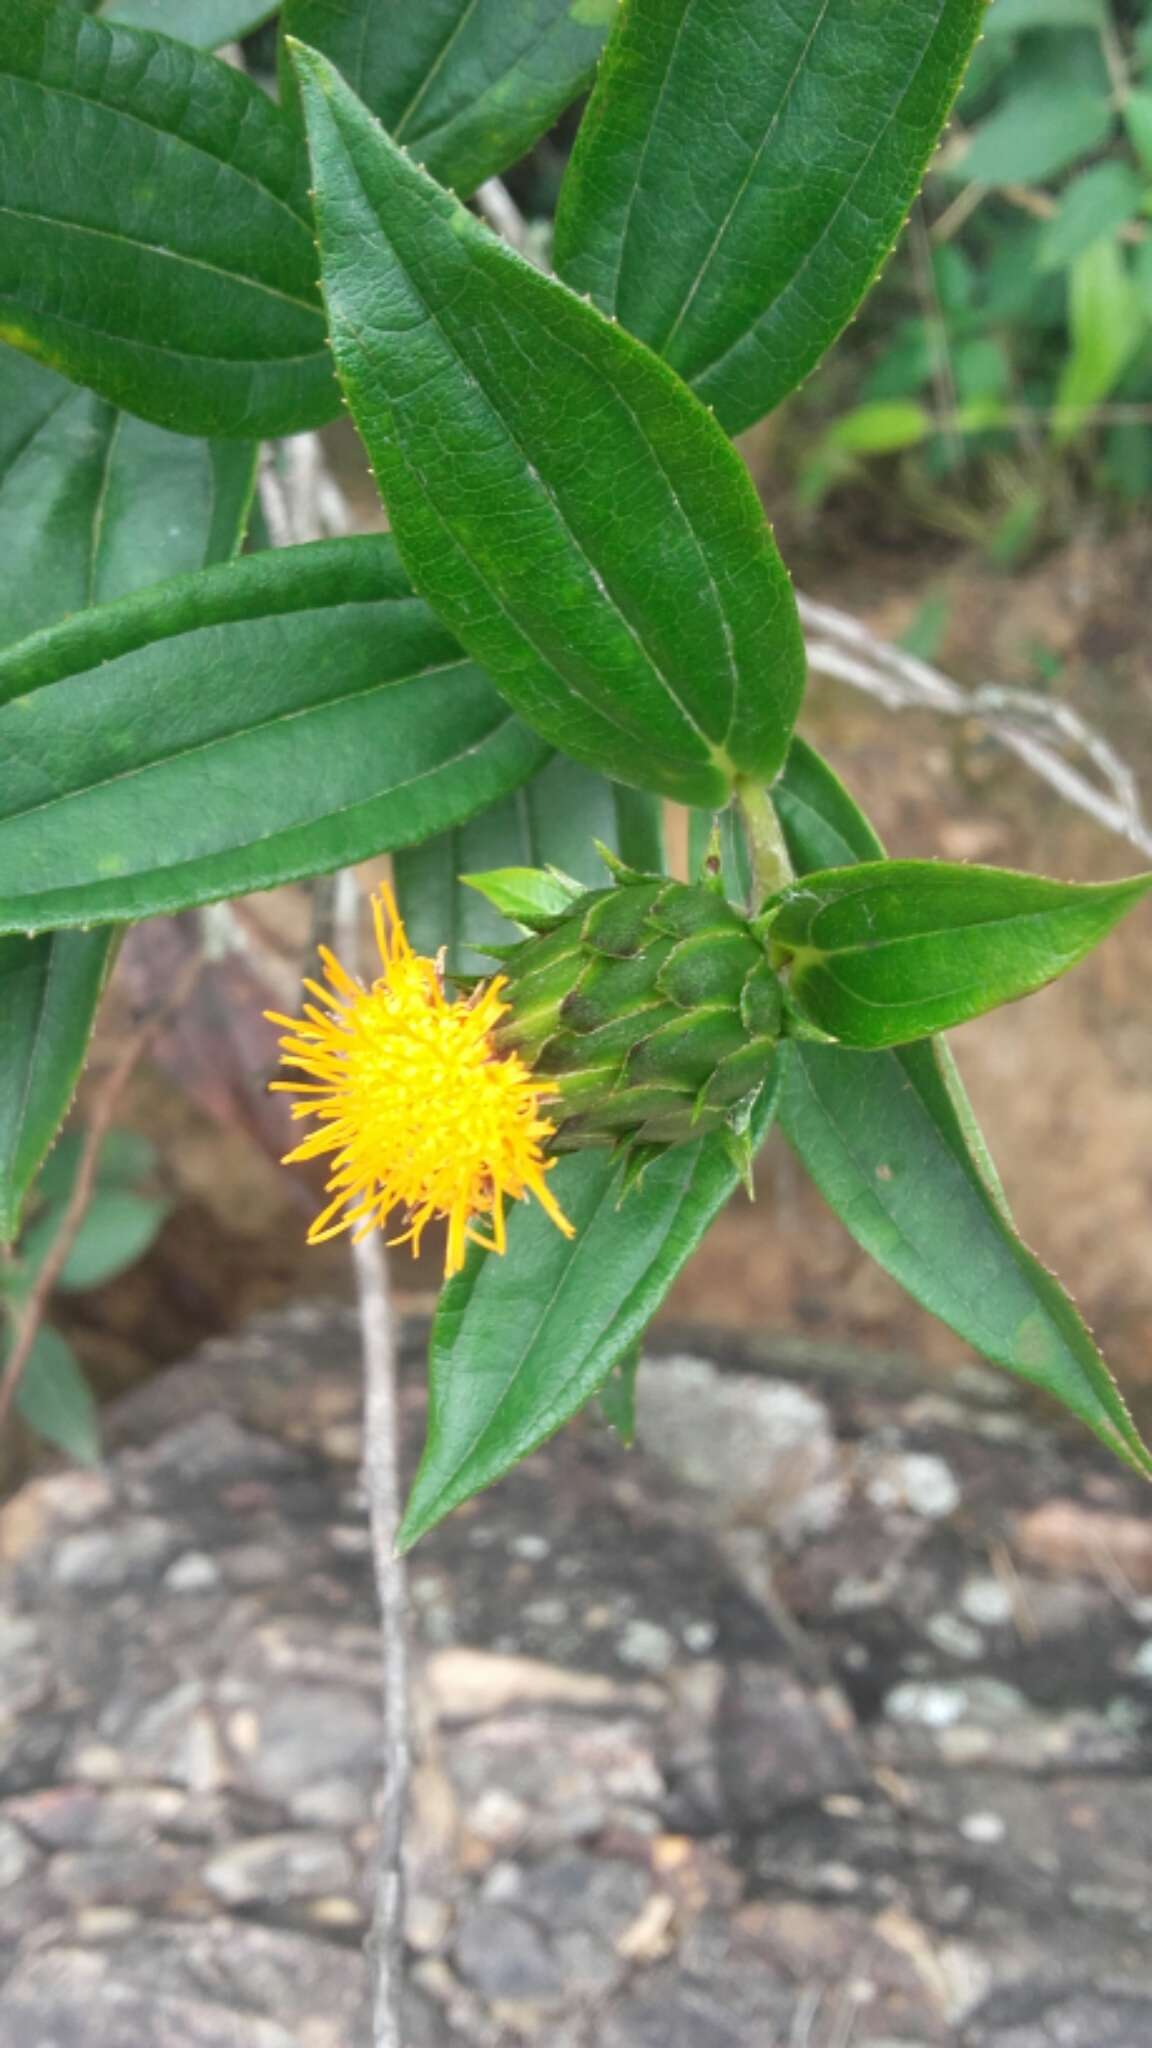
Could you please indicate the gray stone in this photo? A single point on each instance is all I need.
(646, 1645)
(271, 1870)
(674, 2019)
(1078, 2022)
(310, 1732)
(192, 1573)
(130, 1874)
(213, 1446)
(71, 1998)
(781, 1742)
(17, 1855)
(916, 1481)
(506, 1957)
(104, 1560)
(761, 1450)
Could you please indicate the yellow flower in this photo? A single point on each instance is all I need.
(421, 1111)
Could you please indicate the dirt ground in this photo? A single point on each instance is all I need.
(1063, 1083)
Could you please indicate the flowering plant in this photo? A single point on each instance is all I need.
(579, 616)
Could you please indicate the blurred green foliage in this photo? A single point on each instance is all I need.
(119, 1224)
(1011, 338)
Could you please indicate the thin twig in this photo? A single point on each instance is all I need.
(299, 497)
(99, 1120)
(497, 206)
(943, 377)
(1032, 727)
(382, 1485)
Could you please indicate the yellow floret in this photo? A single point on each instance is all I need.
(422, 1114)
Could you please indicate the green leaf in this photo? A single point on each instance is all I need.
(204, 23)
(1039, 131)
(1108, 322)
(56, 1401)
(560, 499)
(94, 503)
(314, 713)
(157, 243)
(117, 1229)
(618, 1397)
(1137, 112)
(890, 951)
(49, 989)
(525, 895)
(743, 170)
(881, 428)
(892, 1143)
(467, 85)
(553, 820)
(126, 1158)
(1094, 205)
(1012, 17)
(520, 1343)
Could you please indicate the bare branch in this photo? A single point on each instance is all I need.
(299, 496)
(382, 1485)
(1034, 728)
(497, 206)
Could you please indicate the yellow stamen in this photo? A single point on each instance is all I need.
(421, 1111)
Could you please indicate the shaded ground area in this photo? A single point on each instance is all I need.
(823, 1721)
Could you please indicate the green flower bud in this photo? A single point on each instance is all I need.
(650, 1008)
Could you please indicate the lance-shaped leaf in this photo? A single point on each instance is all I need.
(204, 23)
(520, 1343)
(49, 989)
(893, 1144)
(743, 170)
(95, 503)
(565, 505)
(553, 820)
(890, 951)
(285, 714)
(156, 242)
(467, 85)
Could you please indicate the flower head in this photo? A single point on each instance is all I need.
(422, 1112)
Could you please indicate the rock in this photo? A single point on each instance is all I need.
(760, 1450)
(17, 1855)
(672, 1786)
(537, 1780)
(213, 1447)
(127, 1874)
(467, 1685)
(1066, 1536)
(306, 1732)
(72, 1999)
(173, 1737)
(647, 1645)
(986, 1601)
(505, 1956)
(1079, 2022)
(103, 1560)
(782, 1743)
(276, 1869)
(193, 1573)
(917, 1481)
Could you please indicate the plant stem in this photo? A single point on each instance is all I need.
(771, 867)
(382, 1485)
